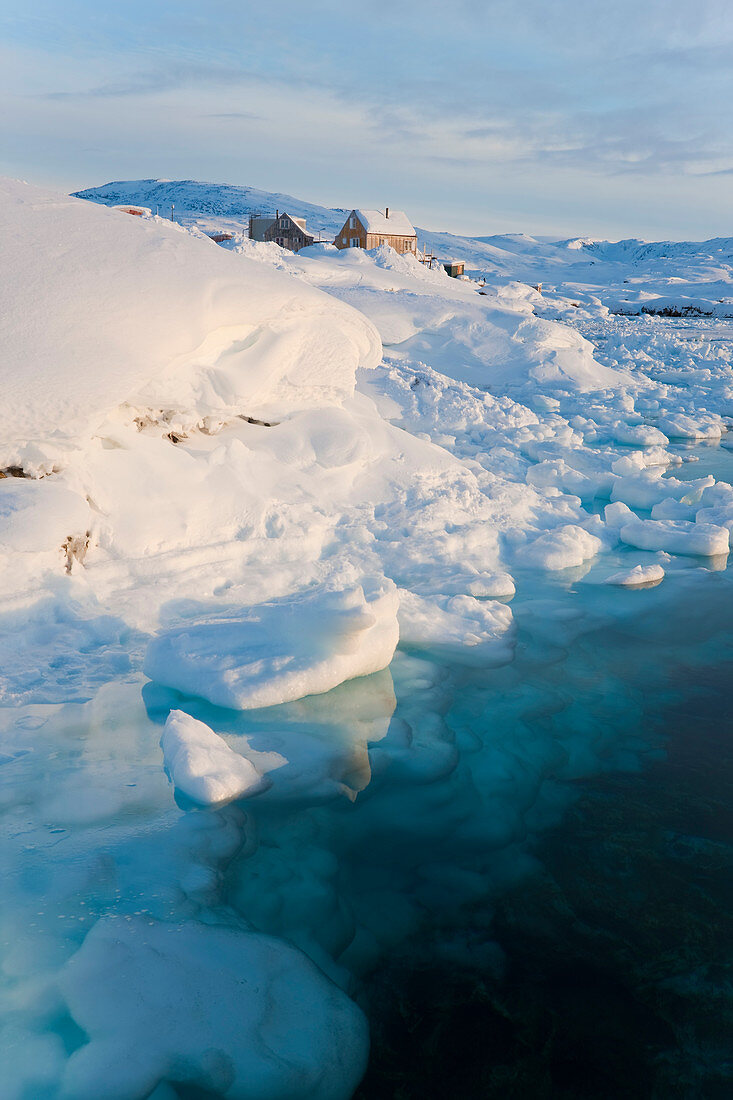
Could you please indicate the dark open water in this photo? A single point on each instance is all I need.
(617, 946)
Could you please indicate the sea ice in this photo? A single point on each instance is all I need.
(461, 628)
(641, 576)
(561, 548)
(280, 650)
(241, 1014)
(676, 536)
(201, 764)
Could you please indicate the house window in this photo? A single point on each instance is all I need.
(352, 222)
(354, 242)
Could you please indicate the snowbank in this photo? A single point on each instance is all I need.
(136, 311)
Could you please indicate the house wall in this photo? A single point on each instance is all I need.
(348, 233)
(400, 244)
(258, 227)
(288, 234)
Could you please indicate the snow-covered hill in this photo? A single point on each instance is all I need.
(213, 206)
(625, 274)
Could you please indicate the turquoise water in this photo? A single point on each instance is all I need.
(523, 874)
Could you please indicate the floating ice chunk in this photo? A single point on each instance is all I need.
(556, 473)
(323, 741)
(649, 487)
(240, 1014)
(679, 426)
(280, 650)
(641, 576)
(640, 435)
(617, 514)
(722, 515)
(201, 764)
(562, 548)
(676, 536)
(669, 508)
(471, 631)
(644, 460)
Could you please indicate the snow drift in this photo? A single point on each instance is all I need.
(105, 309)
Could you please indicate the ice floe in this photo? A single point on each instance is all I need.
(216, 1008)
(676, 536)
(280, 650)
(201, 764)
(641, 576)
(463, 628)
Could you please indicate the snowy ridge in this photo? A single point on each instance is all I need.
(212, 204)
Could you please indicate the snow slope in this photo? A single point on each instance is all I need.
(202, 339)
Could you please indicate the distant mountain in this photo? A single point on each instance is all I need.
(212, 205)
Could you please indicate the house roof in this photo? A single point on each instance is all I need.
(299, 222)
(396, 225)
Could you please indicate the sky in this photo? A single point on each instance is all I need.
(549, 117)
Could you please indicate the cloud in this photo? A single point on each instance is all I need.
(246, 115)
(568, 92)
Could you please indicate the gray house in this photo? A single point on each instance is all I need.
(283, 229)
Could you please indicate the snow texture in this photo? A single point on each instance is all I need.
(210, 336)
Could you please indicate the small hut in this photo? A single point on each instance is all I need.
(454, 268)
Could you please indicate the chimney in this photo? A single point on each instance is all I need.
(277, 214)
(386, 212)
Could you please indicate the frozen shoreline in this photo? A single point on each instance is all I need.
(335, 452)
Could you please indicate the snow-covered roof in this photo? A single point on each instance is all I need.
(396, 225)
(130, 208)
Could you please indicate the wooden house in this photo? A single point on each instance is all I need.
(258, 226)
(454, 268)
(288, 232)
(370, 228)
